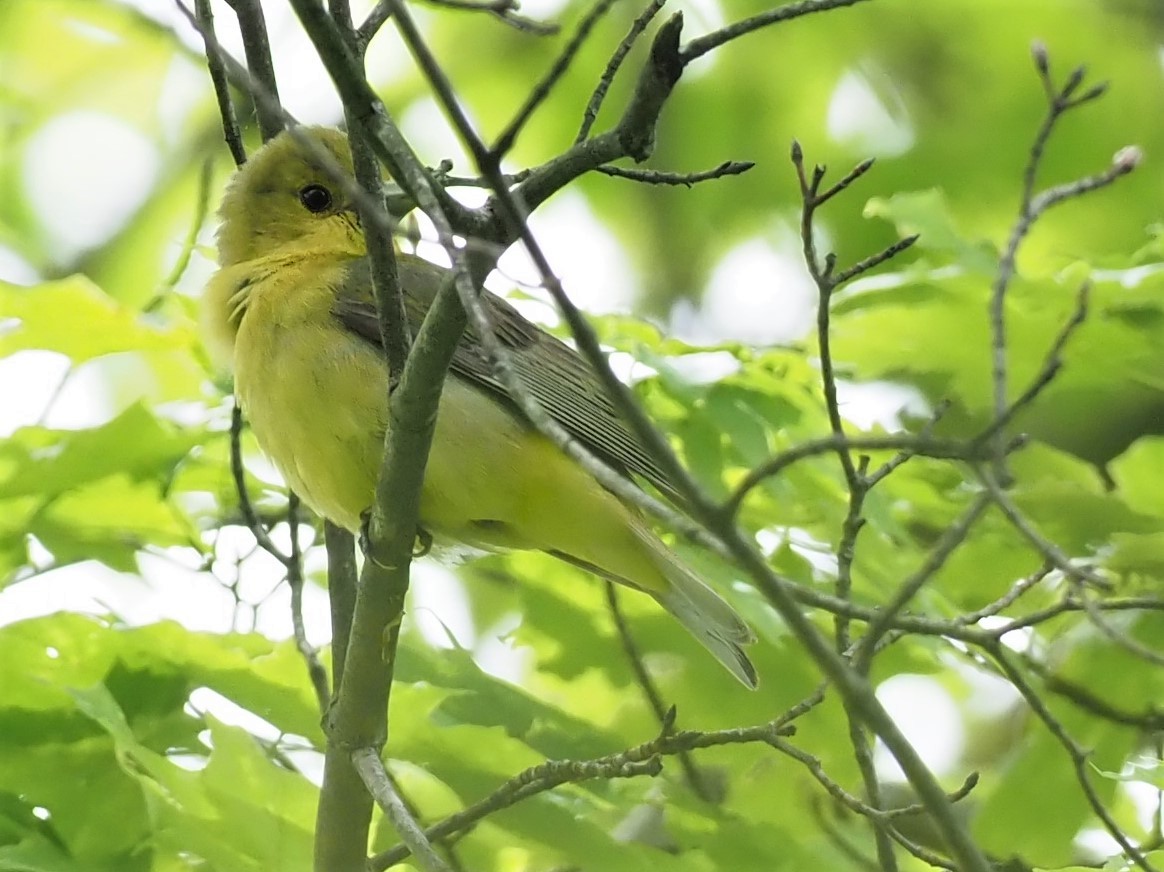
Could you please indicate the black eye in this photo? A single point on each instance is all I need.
(316, 198)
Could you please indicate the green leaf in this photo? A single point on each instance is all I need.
(37, 854)
(110, 521)
(136, 443)
(1138, 472)
(927, 214)
(76, 318)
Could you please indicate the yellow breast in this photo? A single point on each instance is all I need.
(315, 396)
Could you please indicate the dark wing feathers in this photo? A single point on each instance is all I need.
(555, 375)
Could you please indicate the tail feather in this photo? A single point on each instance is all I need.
(705, 615)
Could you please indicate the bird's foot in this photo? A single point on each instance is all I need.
(421, 546)
(365, 537)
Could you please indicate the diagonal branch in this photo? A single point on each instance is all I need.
(257, 49)
(598, 97)
(697, 48)
(664, 715)
(644, 759)
(371, 768)
(1078, 755)
(543, 88)
(216, 66)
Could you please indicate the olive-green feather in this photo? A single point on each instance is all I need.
(555, 375)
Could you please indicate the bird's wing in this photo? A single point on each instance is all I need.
(555, 375)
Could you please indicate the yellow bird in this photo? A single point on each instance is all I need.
(292, 305)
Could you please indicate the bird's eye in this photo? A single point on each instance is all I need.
(315, 198)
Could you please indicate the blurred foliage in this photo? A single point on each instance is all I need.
(109, 756)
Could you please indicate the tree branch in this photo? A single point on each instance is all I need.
(1032, 206)
(644, 759)
(657, 177)
(543, 88)
(701, 46)
(598, 97)
(295, 581)
(257, 49)
(663, 714)
(371, 768)
(1078, 756)
(216, 67)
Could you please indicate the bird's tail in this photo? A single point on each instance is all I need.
(704, 613)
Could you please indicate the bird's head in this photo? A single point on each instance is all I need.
(286, 195)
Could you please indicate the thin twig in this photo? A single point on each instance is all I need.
(376, 19)
(663, 714)
(448, 846)
(1151, 720)
(1073, 604)
(442, 175)
(846, 551)
(951, 538)
(1008, 599)
(916, 445)
(853, 803)
(905, 454)
(810, 199)
(1076, 753)
(882, 819)
(863, 755)
(658, 177)
(1032, 206)
(217, 70)
(863, 266)
(701, 46)
(543, 88)
(856, 473)
(254, 524)
(1051, 552)
(371, 768)
(598, 97)
(295, 581)
(190, 243)
(1052, 363)
(1117, 638)
(845, 181)
(644, 759)
(257, 50)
